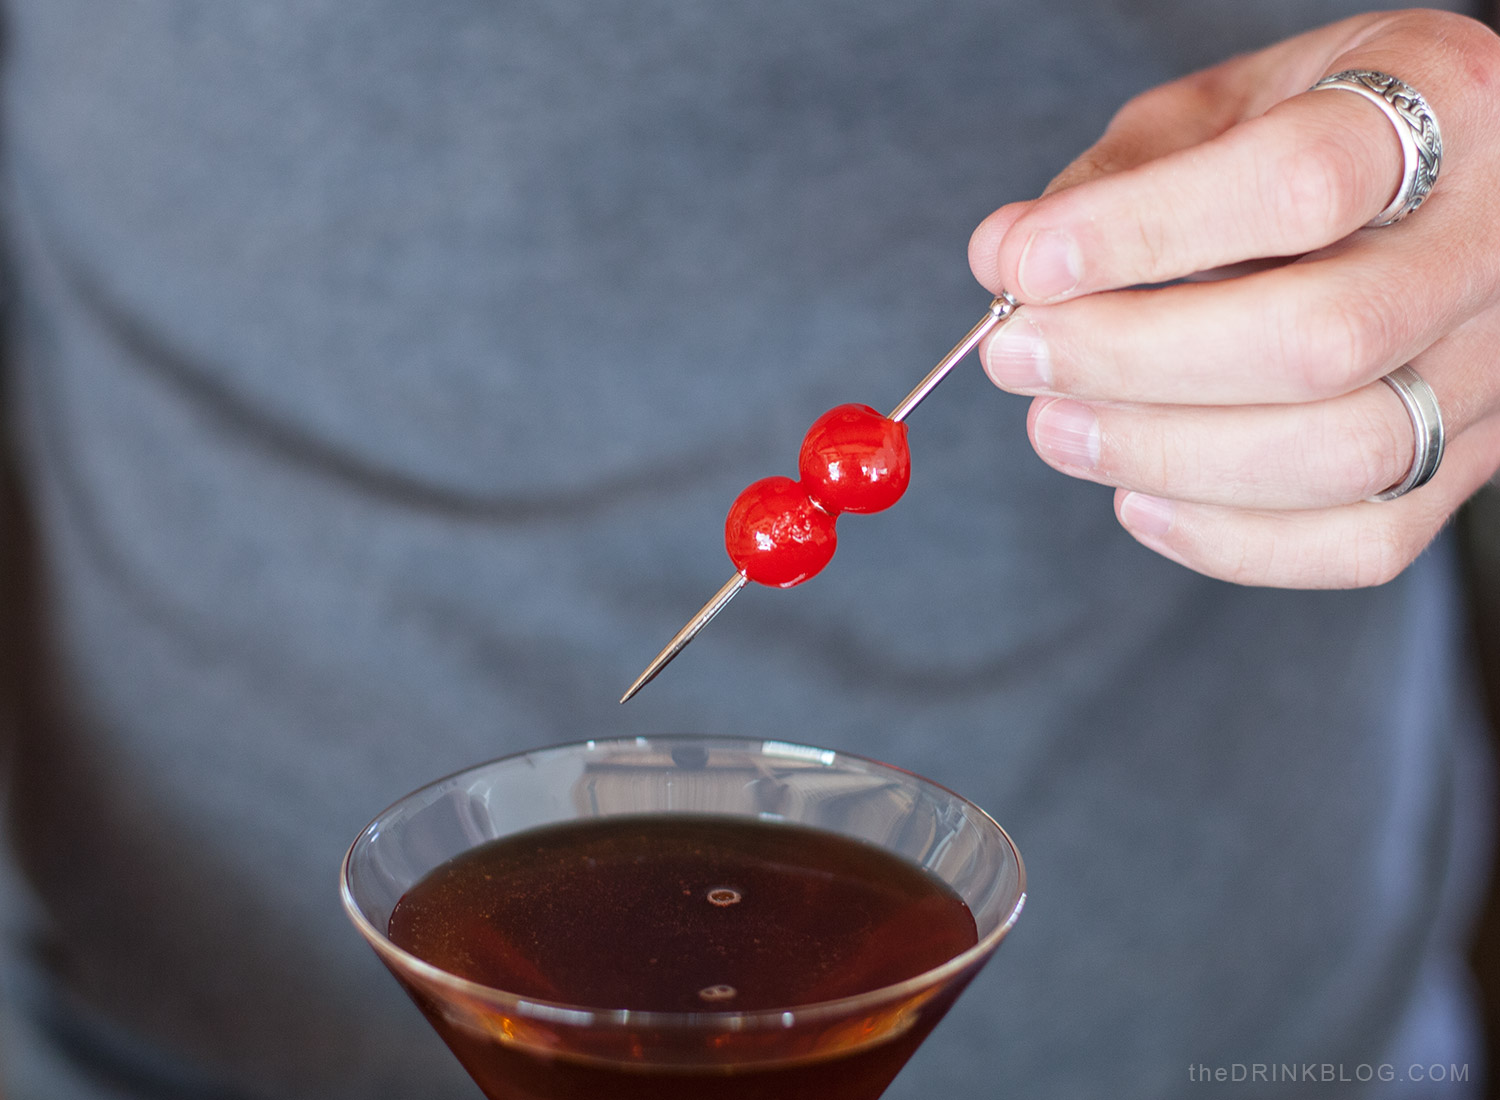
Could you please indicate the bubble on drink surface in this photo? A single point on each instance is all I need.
(724, 896)
(718, 992)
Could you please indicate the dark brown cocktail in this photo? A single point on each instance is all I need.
(683, 917)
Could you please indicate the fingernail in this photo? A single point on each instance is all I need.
(1067, 434)
(1016, 357)
(1050, 265)
(1145, 515)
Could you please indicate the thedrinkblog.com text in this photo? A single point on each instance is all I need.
(1326, 1073)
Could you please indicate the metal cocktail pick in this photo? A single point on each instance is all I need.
(1000, 310)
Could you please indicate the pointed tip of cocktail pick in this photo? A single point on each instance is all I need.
(687, 633)
(645, 678)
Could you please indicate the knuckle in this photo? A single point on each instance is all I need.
(1360, 450)
(1328, 342)
(1312, 193)
(1481, 48)
(1374, 554)
(1470, 47)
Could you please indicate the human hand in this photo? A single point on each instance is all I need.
(1240, 413)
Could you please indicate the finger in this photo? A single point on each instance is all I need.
(1256, 456)
(1354, 546)
(1171, 117)
(1157, 122)
(1304, 331)
(1310, 171)
(1315, 455)
(1198, 106)
(1306, 172)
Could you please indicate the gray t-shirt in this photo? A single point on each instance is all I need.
(381, 374)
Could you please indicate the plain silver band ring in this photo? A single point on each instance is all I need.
(1427, 425)
(1416, 127)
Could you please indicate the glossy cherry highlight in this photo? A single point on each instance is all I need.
(776, 534)
(853, 459)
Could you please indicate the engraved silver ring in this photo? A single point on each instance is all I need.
(1427, 426)
(1416, 127)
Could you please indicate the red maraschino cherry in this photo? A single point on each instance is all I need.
(778, 535)
(855, 460)
(780, 532)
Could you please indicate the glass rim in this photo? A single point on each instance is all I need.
(722, 1020)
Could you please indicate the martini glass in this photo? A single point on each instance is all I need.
(522, 1048)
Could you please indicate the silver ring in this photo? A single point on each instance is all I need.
(1416, 127)
(1427, 425)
